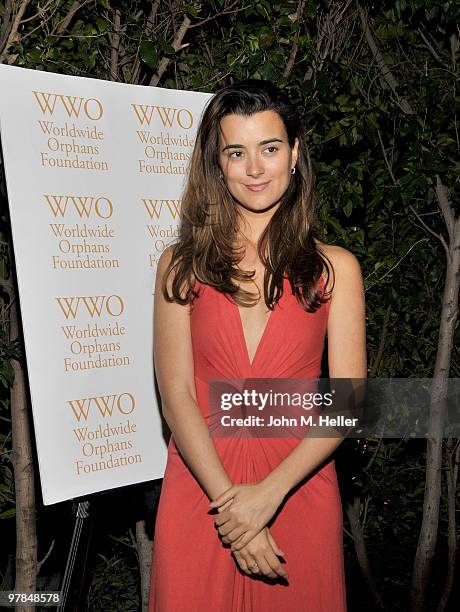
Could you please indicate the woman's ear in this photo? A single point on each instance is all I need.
(295, 152)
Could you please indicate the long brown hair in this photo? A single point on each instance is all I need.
(206, 248)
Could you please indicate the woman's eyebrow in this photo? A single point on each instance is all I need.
(240, 146)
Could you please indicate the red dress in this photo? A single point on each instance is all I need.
(192, 571)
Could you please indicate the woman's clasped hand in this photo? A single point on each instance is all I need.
(244, 511)
(252, 507)
(260, 556)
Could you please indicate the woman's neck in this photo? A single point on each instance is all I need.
(253, 224)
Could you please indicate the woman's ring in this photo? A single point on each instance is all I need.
(253, 565)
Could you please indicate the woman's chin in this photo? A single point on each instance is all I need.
(259, 205)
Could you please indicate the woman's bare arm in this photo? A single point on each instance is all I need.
(175, 375)
(347, 359)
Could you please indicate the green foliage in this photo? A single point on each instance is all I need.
(7, 509)
(114, 583)
(7, 505)
(375, 165)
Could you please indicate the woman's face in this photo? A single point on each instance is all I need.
(256, 159)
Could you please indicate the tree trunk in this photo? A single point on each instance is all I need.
(26, 537)
(429, 530)
(144, 553)
(453, 458)
(353, 511)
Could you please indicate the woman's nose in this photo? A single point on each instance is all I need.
(254, 166)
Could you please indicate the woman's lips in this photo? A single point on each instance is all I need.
(257, 186)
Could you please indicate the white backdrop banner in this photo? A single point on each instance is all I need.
(94, 173)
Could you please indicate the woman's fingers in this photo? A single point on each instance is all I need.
(277, 550)
(247, 563)
(275, 565)
(232, 536)
(225, 506)
(237, 536)
(255, 564)
(227, 527)
(242, 563)
(272, 556)
(220, 521)
(223, 518)
(265, 567)
(260, 557)
(244, 539)
(225, 497)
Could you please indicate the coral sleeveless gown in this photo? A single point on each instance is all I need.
(192, 571)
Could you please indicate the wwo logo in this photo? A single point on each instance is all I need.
(92, 305)
(73, 106)
(154, 208)
(168, 117)
(103, 405)
(84, 206)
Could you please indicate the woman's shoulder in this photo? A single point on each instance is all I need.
(337, 254)
(344, 263)
(166, 266)
(165, 257)
(163, 265)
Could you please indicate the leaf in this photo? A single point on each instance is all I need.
(7, 514)
(348, 208)
(149, 54)
(266, 37)
(101, 24)
(266, 71)
(7, 374)
(191, 10)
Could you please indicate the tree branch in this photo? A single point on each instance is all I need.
(13, 35)
(8, 287)
(229, 11)
(331, 37)
(383, 66)
(6, 23)
(295, 44)
(440, 237)
(353, 509)
(429, 45)
(147, 31)
(40, 563)
(176, 44)
(62, 26)
(151, 18)
(453, 458)
(115, 45)
(383, 338)
(390, 170)
(444, 206)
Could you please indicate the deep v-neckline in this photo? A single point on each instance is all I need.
(243, 336)
(263, 336)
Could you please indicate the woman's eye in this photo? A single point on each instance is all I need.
(236, 154)
(271, 149)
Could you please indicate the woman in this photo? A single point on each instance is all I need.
(250, 524)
